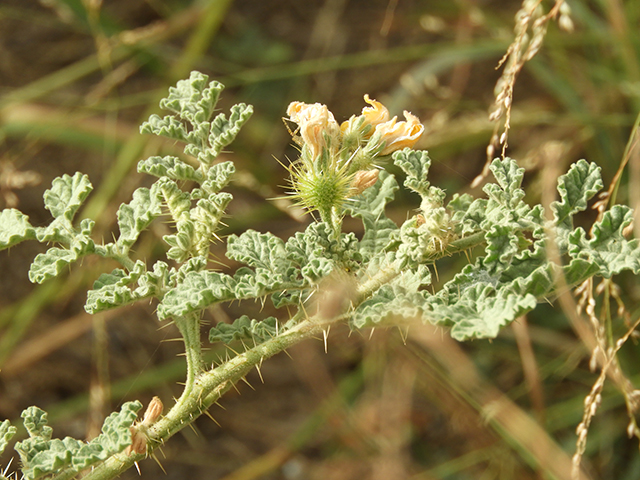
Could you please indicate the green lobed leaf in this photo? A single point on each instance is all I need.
(607, 248)
(135, 216)
(66, 195)
(14, 228)
(167, 126)
(481, 311)
(260, 250)
(56, 260)
(7, 431)
(197, 291)
(114, 289)
(509, 177)
(218, 177)
(41, 455)
(576, 188)
(415, 163)
(168, 166)
(193, 99)
(224, 131)
(245, 329)
(502, 246)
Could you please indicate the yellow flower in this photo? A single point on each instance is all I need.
(397, 135)
(316, 124)
(376, 113)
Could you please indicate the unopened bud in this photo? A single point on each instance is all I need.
(153, 412)
(363, 180)
(138, 442)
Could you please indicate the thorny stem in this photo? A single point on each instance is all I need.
(206, 389)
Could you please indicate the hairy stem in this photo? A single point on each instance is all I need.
(207, 388)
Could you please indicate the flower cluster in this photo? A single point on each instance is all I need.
(336, 161)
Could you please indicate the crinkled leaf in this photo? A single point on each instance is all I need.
(7, 431)
(167, 126)
(502, 245)
(481, 311)
(509, 177)
(66, 195)
(56, 260)
(193, 99)
(387, 307)
(415, 163)
(378, 235)
(576, 188)
(41, 455)
(260, 250)
(246, 329)
(607, 248)
(224, 131)
(218, 177)
(135, 216)
(114, 289)
(116, 435)
(14, 228)
(168, 166)
(198, 290)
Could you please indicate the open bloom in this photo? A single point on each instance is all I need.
(316, 125)
(398, 135)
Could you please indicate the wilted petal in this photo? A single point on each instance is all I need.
(315, 121)
(399, 135)
(376, 113)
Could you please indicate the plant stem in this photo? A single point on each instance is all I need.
(205, 390)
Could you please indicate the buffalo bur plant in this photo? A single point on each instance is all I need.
(323, 275)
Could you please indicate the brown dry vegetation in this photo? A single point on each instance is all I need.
(77, 78)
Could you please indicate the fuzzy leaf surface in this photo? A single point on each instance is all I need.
(135, 216)
(66, 195)
(114, 289)
(246, 329)
(167, 166)
(415, 163)
(14, 228)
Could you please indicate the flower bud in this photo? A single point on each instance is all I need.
(364, 179)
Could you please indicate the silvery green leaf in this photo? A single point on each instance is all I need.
(167, 126)
(115, 289)
(198, 290)
(509, 176)
(193, 99)
(41, 455)
(168, 166)
(388, 307)
(14, 228)
(481, 311)
(378, 235)
(218, 177)
(576, 188)
(607, 248)
(7, 431)
(56, 260)
(245, 329)
(224, 131)
(415, 163)
(502, 246)
(66, 195)
(116, 433)
(135, 216)
(261, 250)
